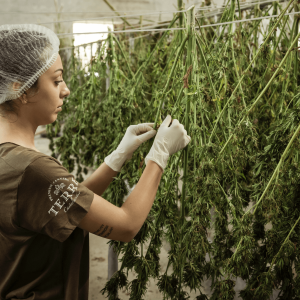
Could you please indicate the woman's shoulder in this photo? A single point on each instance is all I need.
(18, 157)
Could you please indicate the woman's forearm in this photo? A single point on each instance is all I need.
(99, 181)
(138, 204)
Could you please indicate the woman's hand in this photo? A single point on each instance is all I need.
(168, 141)
(134, 136)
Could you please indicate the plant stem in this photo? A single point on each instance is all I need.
(189, 61)
(144, 65)
(169, 78)
(141, 249)
(286, 239)
(264, 90)
(223, 19)
(296, 30)
(232, 53)
(276, 170)
(206, 67)
(112, 63)
(248, 68)
(113, 9)
(281, 33)
(232, 208)
(167, 194)
(177, 104)
(123, 54)
(180, 7)
(171, 56)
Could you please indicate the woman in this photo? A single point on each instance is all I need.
(45, 214)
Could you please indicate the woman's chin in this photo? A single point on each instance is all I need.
(50, 120)
(53, 119)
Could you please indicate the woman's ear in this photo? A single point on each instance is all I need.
(23, 97)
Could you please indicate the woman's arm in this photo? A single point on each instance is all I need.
(139, 202)
(123, 223)
(99, 181)
(135, 135)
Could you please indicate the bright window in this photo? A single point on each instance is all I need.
(86, 52)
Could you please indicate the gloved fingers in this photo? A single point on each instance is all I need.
(149, 124)
(146, 124)
(175, 123)
(186, 141)
(166, 121)
(141, 128)
(146, 136)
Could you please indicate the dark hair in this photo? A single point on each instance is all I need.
(41, 43)
(12, 107)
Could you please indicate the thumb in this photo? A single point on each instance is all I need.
(166, 121)
(146, 136)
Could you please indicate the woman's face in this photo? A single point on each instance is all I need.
(42, 108)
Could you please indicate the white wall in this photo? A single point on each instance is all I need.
(36, 10)
(43, 11)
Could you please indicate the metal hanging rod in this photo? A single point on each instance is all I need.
(243, 7)
(98, 41)
(123, 16)
(247, 20)
(120, 31)
(172, 29)
(138, 13)
(71, 12)
(147, 14)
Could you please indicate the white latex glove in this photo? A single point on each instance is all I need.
(168, 141)
(134, 136)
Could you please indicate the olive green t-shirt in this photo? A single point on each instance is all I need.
(43, 254)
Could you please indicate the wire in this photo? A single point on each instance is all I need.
(245, 20)
(93, 12)
(124, 16)
(203, 26)
(146, 26)
(74, 12)
(166, 29)
(243, 6)
(152, 26)
(81, 45)
(119, 11)
(120, 31)
(136, 13)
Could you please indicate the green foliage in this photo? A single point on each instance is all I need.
(242, 111)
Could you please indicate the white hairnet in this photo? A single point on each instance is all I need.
(26, 52)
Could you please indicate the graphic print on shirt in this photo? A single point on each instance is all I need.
(58, 188)
(62, 197)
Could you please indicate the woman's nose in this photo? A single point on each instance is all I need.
(65, 92)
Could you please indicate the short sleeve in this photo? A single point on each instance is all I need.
(50, 200)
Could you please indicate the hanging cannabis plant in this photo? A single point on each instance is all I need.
(239, 100)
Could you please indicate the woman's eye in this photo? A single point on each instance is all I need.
(58, 82)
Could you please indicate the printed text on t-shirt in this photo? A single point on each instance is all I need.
(63, 197)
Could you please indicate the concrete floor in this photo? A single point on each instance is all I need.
(99, 257)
